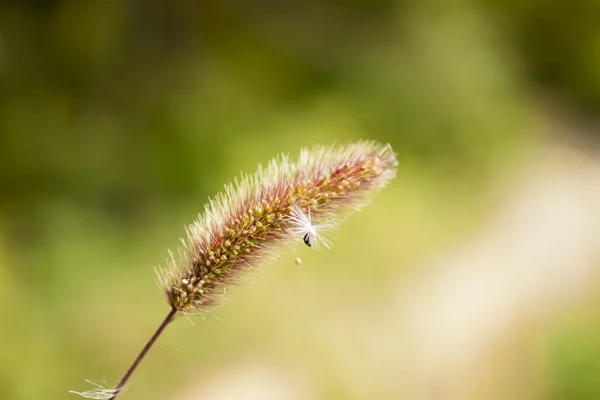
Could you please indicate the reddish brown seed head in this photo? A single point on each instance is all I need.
(245, 226)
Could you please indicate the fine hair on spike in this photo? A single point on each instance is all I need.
(252, 220)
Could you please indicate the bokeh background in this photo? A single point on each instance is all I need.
(474, 275)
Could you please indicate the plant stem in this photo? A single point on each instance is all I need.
(143, 353)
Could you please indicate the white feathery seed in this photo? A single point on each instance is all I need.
(313, 235)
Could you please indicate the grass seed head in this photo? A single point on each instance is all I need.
(247, 225)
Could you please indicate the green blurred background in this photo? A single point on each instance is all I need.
(118, 119)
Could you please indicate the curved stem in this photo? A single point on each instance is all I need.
(143, 353)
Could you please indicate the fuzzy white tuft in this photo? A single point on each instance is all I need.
(99, 393)
(314, 235)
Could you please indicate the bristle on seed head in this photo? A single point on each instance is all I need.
(247, 224)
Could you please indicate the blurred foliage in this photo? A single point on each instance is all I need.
(119, 118)
(559, 42)
(575, 359)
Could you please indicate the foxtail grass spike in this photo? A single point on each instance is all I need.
(247, 225)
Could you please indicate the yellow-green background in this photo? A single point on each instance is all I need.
(118, 119)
